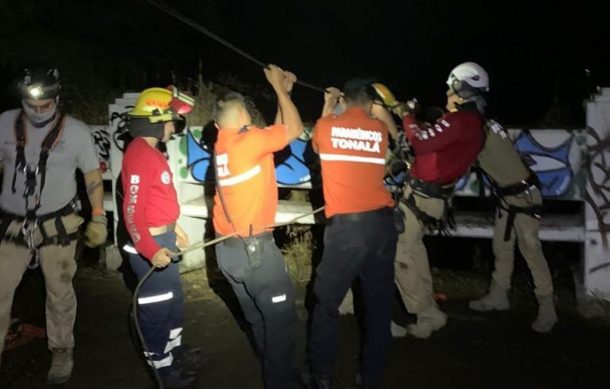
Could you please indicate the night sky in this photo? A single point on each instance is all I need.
(535, 51)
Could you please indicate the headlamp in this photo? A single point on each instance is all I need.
(34, 91)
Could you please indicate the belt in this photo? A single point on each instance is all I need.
(360, 216)
(154, 231)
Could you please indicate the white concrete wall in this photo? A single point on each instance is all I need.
(597, 210)
(581, 183)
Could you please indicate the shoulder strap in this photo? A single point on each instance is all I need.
(47, 144)
(20, 140)
(221, 196)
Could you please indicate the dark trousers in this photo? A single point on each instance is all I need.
(266, 296)
(355, 245)
(160, 306)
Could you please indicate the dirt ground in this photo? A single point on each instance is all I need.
(496, 350)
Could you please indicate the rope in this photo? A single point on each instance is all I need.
(196, 246)
(203, 244)
(172, 12)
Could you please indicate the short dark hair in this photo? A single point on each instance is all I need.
(359, 91)
(225, 101)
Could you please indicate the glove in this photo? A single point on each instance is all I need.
(412, 106)
(96, 232)
(409, 107)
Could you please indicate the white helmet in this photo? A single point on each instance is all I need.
(468, 79)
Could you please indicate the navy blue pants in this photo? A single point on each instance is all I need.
(160, 306)
(355, 245)
(266, 296)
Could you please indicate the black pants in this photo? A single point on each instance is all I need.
(266, 296)
(160, 306)
(355, 245)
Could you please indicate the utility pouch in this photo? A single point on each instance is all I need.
(254, 249)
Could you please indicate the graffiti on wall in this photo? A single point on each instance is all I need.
(290, 166)
(556, 156)
(118, 120)
(101, 140)
(551, 165)
(598, 188)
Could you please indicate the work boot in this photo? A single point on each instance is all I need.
(177, 378)
(496, 299)
(546, 314)
(430, 320)
(61, 366)
(398, 331)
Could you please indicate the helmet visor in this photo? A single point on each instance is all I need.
(181, 103)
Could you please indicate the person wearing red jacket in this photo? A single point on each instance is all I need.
(150, 210)
(442, 153)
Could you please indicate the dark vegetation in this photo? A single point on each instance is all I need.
(536, 53)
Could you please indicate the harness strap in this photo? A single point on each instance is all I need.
(20, 240)
(62, 238)
(442, 225)
(4, 223)
(62, 234)
(432, 189)
(20, 141)
(21, 163)
(534, 211)
(47, 144)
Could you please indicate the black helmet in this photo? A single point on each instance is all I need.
(40, 84)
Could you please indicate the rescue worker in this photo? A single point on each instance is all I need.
(442, 154)
(360, 239)
(517, 219)
(245, 204)
(150, 211)
(40, 149)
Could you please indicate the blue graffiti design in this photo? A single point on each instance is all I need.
(198, 158)
(551, 165)
(290, 171)
(461, 184)
(293, 170)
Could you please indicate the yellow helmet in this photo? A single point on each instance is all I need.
(385, 95)
(161, 105)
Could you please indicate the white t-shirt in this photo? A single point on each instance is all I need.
(74, 149)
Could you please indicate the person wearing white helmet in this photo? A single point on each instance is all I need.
(518, 211)
(443, 151)
(468, 82)
(43, 148)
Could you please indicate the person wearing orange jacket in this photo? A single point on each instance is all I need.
(360, 239)
(245, 205)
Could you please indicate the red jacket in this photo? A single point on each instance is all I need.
(445, 150)
(150, 197)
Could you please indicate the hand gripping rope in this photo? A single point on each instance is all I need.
(176, 258)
